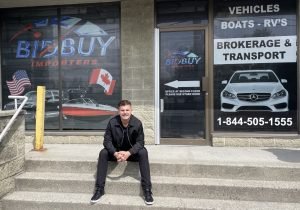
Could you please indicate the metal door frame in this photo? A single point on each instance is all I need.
(205, 87)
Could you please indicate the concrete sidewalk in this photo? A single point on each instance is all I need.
(183, 177)
(179, 154)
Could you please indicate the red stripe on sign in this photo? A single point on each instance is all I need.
(94, 76)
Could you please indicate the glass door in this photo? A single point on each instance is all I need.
(181, 72)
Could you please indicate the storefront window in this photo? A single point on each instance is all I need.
(255, 69)
(172, 13)
(74, 52)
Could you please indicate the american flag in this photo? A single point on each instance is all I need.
(17, 85)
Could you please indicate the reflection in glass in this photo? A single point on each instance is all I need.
(81, 60)
(90, 65)
(181, 13)
(29, 44)
(182, 67)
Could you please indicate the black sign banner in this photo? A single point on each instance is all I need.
(255, 65)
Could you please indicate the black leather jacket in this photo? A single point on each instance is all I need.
(114, 135)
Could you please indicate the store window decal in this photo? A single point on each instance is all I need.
(255, 67)
(17, 85)
(181, 69)
(183, 58)
(267, 92)
(89, 62)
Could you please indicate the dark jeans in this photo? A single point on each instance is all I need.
(141, 157)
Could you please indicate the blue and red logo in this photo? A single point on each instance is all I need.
(90, 39)
(179, 58)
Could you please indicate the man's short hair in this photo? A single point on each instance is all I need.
(124, 103)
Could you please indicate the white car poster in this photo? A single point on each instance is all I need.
(255, 69)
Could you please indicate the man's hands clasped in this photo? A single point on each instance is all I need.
(122, 156)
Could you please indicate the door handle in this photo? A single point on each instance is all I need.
(162, 105)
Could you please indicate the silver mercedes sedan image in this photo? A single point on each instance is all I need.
(254, 90)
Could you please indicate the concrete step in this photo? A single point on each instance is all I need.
(208, 169)
(184, 177)
(179, 161)
(251, 190)
(65, 137)
(76, 201)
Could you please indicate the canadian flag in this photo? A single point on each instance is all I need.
(103, 77)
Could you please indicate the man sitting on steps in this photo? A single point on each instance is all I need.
(124, 141)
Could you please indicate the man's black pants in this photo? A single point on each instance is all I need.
(141, 157)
